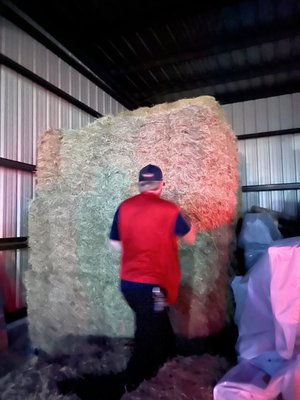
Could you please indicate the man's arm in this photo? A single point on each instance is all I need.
(190, 237)
(114, 237)
(184, 230)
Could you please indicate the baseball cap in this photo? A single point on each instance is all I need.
(150, 173)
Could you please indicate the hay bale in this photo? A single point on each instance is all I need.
(48, 157)
(73, 284)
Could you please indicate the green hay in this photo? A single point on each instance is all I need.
(100, 283)
(202, 303)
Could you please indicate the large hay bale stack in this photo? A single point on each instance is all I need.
(83, 175)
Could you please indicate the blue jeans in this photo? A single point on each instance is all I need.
(154, 339)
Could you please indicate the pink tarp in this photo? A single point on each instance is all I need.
(268, 318)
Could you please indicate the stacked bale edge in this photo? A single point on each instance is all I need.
(83, 175)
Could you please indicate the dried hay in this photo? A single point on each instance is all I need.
(206, 101)
(197, 152)
(82, 177)
(37, 378)
(48, 157)
(86, 363)
(182, 378)
(202, 305)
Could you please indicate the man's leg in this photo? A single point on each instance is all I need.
(169, 337)
(154, 338)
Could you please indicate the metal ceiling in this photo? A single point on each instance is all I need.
(155, 51)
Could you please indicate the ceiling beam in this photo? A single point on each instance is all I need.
(132, 17)
(70, 53)
(259, 93)
(112, 19)
(234, 97)
(210, 47)
(222, 77)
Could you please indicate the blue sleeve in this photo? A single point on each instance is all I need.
(114, 231)
(181, 226)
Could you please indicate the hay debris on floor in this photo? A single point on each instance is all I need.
(185, 378)
(92, 370)
(37, 378)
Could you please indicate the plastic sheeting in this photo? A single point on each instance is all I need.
(245, 382)
(268, 317)
(258, 232)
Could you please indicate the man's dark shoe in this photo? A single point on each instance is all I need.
(130, 387)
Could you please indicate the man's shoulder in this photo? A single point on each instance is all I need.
(169, 204)
(164, 203)
(129, 200)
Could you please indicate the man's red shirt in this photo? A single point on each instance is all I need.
(149, 244)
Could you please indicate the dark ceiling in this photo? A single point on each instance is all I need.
(148, 52)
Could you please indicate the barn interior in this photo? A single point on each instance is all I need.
(72, 73)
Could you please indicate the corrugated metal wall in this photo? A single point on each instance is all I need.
(269, 160)
(16, 190)
(23, 49)
(26, 111)
(15, 263)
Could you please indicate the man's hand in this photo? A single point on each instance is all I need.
(116, 245)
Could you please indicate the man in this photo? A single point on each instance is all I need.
(145, 230)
